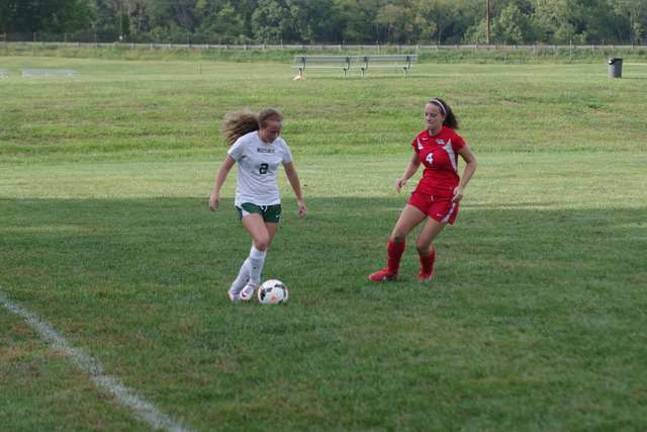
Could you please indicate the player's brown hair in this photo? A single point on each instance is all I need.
(238, 123)
(450, 119)
(268, 114)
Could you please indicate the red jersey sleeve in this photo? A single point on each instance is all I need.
(457, 142)
(414, 144)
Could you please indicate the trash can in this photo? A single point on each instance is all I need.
(615, 67)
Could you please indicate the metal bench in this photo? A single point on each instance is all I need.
(403, 62)
(304, 62)
(400, 61)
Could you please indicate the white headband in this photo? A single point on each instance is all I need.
(439, 104)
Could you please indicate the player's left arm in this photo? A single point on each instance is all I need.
(293, 178)
(470, 166)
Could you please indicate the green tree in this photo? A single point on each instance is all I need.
(636, 13)
(397, 21)
(357, 20)
(435, 19)
(271, 22)
(511, 26)
(221, 22)
(52, 16)
(315, 20)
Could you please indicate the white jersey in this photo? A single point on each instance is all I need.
(258, 165)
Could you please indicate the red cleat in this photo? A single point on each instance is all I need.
(424, 276)
(382, 275)
(427, 266)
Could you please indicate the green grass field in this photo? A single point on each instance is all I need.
(536, 319)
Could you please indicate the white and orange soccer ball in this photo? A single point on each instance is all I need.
(272, 291)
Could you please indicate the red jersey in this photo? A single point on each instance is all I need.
(439, 155)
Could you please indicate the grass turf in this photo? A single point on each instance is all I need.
(534, 321)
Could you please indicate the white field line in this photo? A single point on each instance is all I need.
(143, 409)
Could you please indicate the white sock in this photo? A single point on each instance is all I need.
(256, 261)
(242, 278)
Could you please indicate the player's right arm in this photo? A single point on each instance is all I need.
(226, 166)
(410, 170)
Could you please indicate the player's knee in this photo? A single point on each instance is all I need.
(262, 243)
(423, 247)
(398, 236)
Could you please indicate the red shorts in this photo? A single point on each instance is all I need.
(439, 208)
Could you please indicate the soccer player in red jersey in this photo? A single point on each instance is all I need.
(438, 194)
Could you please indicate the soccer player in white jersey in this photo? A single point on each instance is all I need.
(259, 150)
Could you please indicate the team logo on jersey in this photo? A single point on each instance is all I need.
(440, 141)
(264, 149)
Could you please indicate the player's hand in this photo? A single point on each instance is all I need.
(399, 183)
(458, 194)
(302, 209)
(214, 200)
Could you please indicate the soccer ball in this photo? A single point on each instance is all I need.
(272, 291)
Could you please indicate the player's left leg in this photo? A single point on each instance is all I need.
(425, 247)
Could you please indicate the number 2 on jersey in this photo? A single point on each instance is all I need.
(263, 168)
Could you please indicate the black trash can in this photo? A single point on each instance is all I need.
(615, 67)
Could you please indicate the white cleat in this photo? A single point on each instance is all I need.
(235, 289)
(234, 297)
(247, 293)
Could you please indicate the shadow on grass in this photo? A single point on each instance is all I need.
(168, 240)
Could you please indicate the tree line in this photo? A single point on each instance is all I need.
(332, 21)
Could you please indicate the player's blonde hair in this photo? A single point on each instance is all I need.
(238, 123)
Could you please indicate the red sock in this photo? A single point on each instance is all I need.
(427, 262)
(394, 251)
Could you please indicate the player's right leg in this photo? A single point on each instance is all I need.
(249, 275)
(239, 283)
(409, 218)
(261, 239)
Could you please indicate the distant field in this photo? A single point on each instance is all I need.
(535, 320)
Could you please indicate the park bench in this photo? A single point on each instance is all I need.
(399, 61)
(304, 62)
(402, 62)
